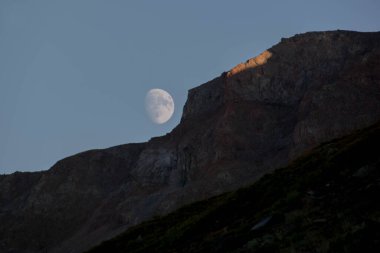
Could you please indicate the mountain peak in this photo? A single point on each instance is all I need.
(259, 116)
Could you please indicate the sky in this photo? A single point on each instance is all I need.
(74, 73)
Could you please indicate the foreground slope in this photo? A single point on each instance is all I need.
(258, 116)
(326, 201)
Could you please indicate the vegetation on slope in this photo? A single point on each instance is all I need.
(326, 201)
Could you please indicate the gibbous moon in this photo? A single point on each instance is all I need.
(159, 105)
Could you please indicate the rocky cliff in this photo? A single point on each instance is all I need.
(258, 116)
(323, 202)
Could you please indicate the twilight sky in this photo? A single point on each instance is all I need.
(74, 73)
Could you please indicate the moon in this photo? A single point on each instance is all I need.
(159, 105)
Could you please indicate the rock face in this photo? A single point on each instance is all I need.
(258, 116)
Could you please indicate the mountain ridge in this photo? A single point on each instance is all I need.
(234, 129)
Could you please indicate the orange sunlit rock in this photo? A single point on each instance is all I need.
(251, 63)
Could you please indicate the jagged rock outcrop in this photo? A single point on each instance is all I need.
(258, 116)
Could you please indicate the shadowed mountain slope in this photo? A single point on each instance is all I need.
(326, 201)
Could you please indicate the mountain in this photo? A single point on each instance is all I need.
(259, 116)
(326, 201)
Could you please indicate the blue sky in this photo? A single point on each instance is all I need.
(74, 74)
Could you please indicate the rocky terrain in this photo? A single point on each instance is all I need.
(259, 116)
(325, 201)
